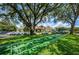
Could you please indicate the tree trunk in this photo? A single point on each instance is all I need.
(32, 29)
(72, 28)
(32, 32)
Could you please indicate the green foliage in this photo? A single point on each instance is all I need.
(6, 27)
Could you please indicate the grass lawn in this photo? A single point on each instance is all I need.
(56, 44)
(67, 45)
(17, 38)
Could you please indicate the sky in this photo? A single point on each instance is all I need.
(52, 24)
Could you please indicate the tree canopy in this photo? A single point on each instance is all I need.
(31, 14)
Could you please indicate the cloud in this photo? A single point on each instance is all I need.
(53, 25)
(61, 24)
